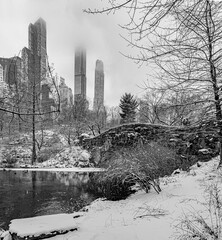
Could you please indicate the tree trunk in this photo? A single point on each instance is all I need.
(220, 141)
(213, 74)
(33, 141)
(33, 111)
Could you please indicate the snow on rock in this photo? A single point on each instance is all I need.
(43, 225)
(145, 216)
(84, 135)
(204, 150)
(73, 156)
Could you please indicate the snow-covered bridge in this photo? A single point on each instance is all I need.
(187, 140)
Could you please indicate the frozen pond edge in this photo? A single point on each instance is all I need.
(76, 169)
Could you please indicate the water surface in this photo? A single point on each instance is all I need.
(27, 194)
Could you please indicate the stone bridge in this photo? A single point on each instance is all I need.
(200, 140)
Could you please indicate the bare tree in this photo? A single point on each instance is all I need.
(176, 108)
(79, 114)
(182, 38)
(150, 107)
(113, 117)
(97, 118)
(29, 97)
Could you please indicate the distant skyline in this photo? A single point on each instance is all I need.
(67, 27)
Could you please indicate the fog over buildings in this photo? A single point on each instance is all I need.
(33, 70)
(67, 27)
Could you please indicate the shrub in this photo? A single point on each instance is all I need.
(110, 188)
(47, 153)
(143, 165)
(44, 155)
(10, 157)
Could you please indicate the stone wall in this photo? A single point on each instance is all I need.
(199, 142)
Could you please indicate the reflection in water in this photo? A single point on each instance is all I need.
(27, 194)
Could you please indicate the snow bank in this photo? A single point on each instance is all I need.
(142, 216)
(46, 225)
(73, 156)
(145, 216)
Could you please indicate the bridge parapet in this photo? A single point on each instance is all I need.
(185, 140)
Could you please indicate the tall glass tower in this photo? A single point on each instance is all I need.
(80, 74)
(98, 103)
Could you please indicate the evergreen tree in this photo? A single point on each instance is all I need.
(128, 105)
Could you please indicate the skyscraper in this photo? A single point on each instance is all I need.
(66, 95)
(11, 70)
(37, 42)
(98, 103)
(80, 74)
(1, 73)
(35, 68)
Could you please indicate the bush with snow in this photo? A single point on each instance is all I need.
(142, 165)
(73, 156)
(112, 188)
(15, 155)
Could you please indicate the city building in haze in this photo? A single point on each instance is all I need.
(66, 95)
(98, 102)
(10, 72)
(37, 42)
(11, 69)
(1, 82)
(80, 74)
(35, 68)
(1, 73)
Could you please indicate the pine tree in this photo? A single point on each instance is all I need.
(128, 105)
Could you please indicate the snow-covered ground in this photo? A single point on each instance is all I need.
(145, 216)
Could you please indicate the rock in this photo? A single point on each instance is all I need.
(204, 151)
(177, 171)
(192, 172)
(198, 164)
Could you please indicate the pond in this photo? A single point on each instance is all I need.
(30, 193)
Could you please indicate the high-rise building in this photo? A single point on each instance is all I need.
(1, 73)
(98, 103)
(66, 95)
(1, 81)
(80, 74)
(37, 42)
(34, 70)
(34, 57)
(11, 69)
(31, 70)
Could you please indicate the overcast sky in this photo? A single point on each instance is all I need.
(67, 26)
